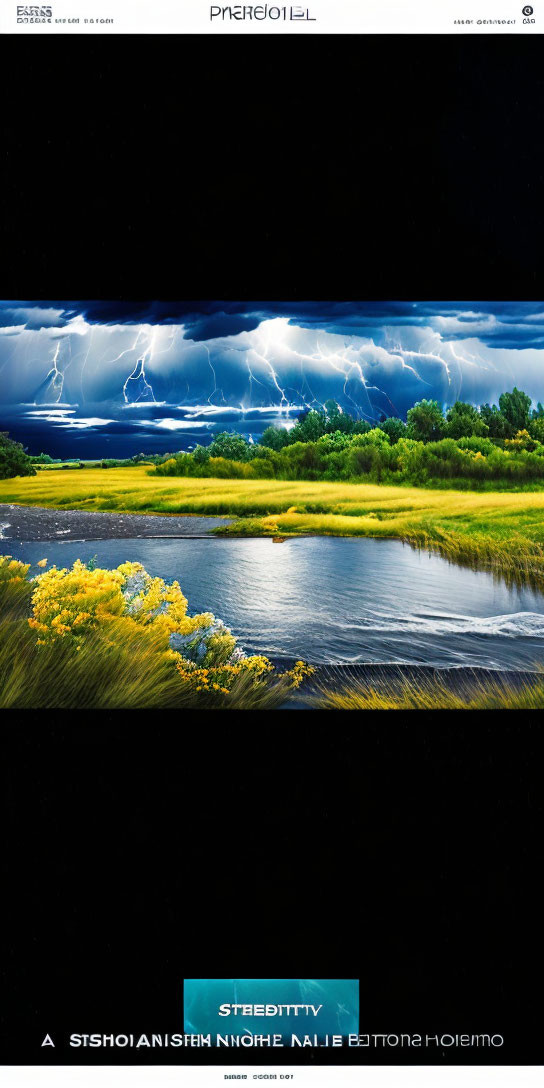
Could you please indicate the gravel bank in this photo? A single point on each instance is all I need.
(30, 523)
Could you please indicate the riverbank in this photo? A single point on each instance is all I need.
(406, 687)
(499, 531)
(35, 523)
(382, 687)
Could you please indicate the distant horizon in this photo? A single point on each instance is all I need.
(94, 379)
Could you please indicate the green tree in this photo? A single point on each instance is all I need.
(425, 421)
(463, 421)
(499, 427)
(201, 455)
(374, 437)
(231, 446)
(332, 410)
(336, 419)
(361, 426)
(536, 429)
(394, 428)
(310, 426)
(274, 437)
(258, 451)
(515, 408)
(13, 459)
(42, 459)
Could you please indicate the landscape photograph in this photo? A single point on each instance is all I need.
(272, 505)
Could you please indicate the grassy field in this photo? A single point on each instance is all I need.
(503, 531)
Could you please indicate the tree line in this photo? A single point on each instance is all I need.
(465, 445)
(503, 442)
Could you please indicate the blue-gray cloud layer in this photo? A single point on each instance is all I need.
(95, 378)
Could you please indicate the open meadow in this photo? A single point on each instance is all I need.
(501, 530)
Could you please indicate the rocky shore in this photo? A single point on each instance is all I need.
(34, 523)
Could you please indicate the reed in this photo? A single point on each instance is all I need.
(401, 692)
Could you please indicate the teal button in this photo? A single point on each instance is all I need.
(271, 1006)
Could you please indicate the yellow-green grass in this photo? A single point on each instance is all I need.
(503, 531)
(433, 693)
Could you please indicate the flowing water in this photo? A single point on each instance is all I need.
(332, 600)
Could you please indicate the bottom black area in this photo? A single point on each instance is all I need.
(400, 850)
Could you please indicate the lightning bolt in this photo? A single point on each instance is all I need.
(215, 389)
(85, 361)
(138, 371)
(270, 351)
(127, 351)
(430, 355)
(252, 377)
(350, 365)
(57, 379)
(264, 356)
(149, 353)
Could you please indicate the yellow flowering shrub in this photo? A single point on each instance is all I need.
(151, 600)
(221, 677)
(300, 672)
(69, 604)
(12, 569)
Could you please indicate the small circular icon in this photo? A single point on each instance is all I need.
(527, 10)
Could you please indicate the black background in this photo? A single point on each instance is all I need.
(402, 850)
(347, 167)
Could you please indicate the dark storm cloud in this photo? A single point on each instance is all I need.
(34, 315)
(509, 324)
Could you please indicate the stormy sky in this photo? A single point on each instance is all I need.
(96, 379)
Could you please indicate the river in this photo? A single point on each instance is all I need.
(335, 600)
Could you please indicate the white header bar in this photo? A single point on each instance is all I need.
(378, 1076)
(303, 17)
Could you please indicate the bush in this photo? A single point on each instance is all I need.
(13, 459)
(120, 638)
(260, 468)
(478, 445)
(233, 447)
(536, 429)
(42, 459)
